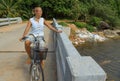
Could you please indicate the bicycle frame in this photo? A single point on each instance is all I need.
(35, 56)
(36, 48)
(35, 67)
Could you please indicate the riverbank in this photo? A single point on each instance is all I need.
(82, 35)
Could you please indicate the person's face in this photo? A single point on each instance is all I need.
(38, 11)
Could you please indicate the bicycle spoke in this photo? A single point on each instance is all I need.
(41, 73)
(33, 73)
(36, 73)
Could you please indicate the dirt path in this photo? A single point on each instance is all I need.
(12, 63)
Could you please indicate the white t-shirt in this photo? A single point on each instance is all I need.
(37, 27)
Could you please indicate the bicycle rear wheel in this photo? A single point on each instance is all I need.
(36, 73)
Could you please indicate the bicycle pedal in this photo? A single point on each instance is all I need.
(36, 78)
(34, 68)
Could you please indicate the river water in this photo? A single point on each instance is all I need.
(106, 54)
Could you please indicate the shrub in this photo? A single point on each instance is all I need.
(95, 21)
(84, 25)
(117, 23)
(80, 24)
(114, 21)
(63, 24)
(90, 28)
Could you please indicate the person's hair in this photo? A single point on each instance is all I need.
(33, 10)
(36, 7)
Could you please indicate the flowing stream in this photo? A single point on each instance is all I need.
(106, 54)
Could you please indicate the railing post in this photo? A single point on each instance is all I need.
(19, 20)
(8, 21)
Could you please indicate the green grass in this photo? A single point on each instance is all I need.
(95, 21)
(80, 24)
(90, 28)
(63, 24)
(84, 25)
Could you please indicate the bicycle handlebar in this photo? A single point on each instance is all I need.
(24, 38)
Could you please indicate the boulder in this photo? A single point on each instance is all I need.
(110, 34)
(73, 27)
(118, 33)
(103, 25)
(86, 35)
(98, 38)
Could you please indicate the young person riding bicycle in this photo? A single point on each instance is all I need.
(36, 24)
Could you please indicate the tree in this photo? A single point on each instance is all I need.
(26, 7)
(8, 8)
(108, 10)
(75, 11)
(117, 6)
(56, 8)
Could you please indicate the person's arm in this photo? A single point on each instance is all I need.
(26, 30)
(51, 27)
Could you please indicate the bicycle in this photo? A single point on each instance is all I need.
(37, 54)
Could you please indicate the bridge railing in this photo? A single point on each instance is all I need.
(8, 21)
(71, 66)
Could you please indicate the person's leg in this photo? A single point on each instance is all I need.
(30, 39)
(27, 47)
(43, 52)
(28, 50)
(42, 64)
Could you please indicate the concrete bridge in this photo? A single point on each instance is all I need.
(63, 62)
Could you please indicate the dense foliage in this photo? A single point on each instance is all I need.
(90, 11)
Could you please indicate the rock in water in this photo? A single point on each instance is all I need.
(110, 33)
(98, 38)
(86, 35)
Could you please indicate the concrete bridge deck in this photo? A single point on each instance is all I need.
(63, 63)
(13, 57)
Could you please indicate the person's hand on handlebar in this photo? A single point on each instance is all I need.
(21, 38)
(59, 31)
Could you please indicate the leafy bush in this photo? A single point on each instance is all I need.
(63, 23)
(80, 24)
(117, 23)
(84, 25)
(114, 21)
(90, 28)
(95, 21)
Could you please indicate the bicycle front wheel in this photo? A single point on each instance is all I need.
(36, 73)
